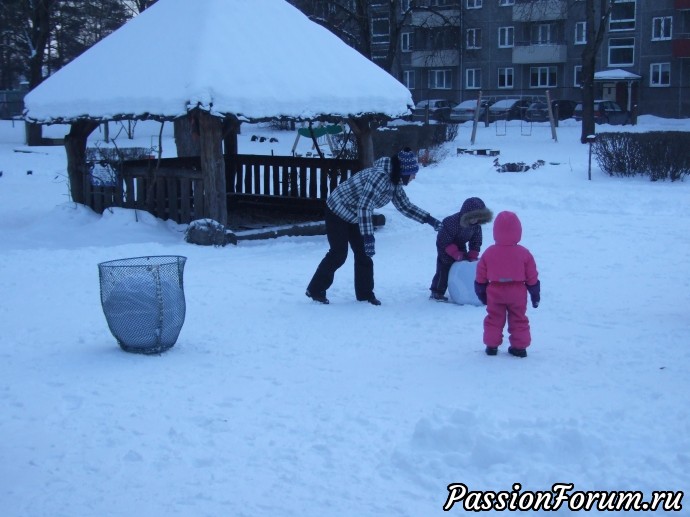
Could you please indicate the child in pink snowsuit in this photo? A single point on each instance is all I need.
(506, 272)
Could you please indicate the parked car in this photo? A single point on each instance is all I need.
(466, 110)
(566, 107)
(508, 109)
(605, 112)
(438, 109)
(561, 108)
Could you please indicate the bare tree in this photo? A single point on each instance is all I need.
(37, 15)
(597, 14)
(38, 37)
(76, 25)
(350, 20)
(13, 64)
(359, 22)
(595, 37)
(137, 6)
(436, 31)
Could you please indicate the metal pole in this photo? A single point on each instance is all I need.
(590, 141)
(552, 117)
(589, 169)
(476, 118)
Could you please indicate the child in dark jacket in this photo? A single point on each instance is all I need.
(505, 274)
(460, 238)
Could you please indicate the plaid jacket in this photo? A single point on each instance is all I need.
(355, 199)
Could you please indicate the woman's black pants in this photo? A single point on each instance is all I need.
(340, 234)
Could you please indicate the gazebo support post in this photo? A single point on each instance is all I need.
(362, 128)
(231, 128)
(186, 133)
(75, 148)
(213, 167)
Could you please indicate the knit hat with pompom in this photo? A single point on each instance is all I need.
(408, 162)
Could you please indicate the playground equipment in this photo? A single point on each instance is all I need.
(526, 127)
(322, 134)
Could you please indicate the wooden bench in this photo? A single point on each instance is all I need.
(293, 204)
(264, 210)
(478, 152)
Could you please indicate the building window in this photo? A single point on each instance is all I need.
(622, 15)
(543, 76)
(621, 51)
(661, 28)
(441, 3)
(408, 79)
(541, 34)
(474, 4)
(505, 3)
(660, 74)
(324, 10)
(473, 78)
(380, 30)
(379, 59)
(440, 79)
(474, 38)
(506, 37)
(505, 77)
(404, 6)
(406, 41)
(580, 33)
(577, 75)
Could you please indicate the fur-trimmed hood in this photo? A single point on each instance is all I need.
(474, 208)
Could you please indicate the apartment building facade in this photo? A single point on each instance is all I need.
(453, 49)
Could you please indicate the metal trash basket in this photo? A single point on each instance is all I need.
(143, 301)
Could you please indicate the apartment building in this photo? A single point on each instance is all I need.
(453, 49)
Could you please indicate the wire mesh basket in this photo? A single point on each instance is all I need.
(143, 301)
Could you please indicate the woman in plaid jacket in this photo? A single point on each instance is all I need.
(349, 221)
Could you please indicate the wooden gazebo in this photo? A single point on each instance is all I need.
(221, 62)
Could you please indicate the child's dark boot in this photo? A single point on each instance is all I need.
(517, 352)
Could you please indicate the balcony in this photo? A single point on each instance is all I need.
(681, 5)
(428, 19)
(540, 11)
(680, 46)
(529, 54)
(435, 58)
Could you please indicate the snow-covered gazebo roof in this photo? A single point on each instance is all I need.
(254, 59)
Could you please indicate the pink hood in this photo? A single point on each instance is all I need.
(507, 229)
(506, 260)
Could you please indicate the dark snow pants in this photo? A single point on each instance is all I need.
(340, 234)
(439, 283)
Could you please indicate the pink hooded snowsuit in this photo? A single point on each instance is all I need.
(508, 268)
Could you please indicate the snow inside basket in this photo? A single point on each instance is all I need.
(143, 301)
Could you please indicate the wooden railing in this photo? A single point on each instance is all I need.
(174, 189)
(286, 175)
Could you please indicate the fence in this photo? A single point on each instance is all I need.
(11, 103)
(174, 188)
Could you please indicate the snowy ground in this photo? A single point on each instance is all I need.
(272, 405)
